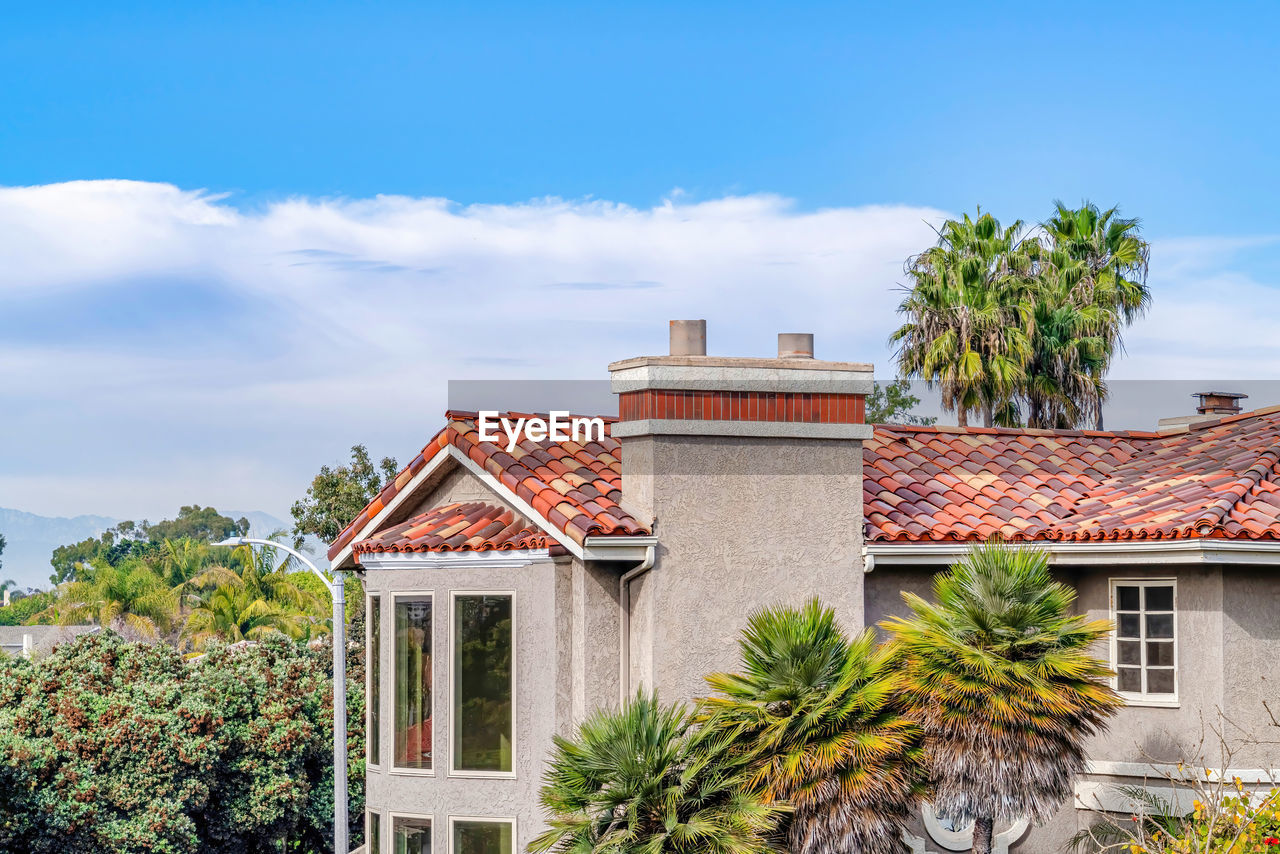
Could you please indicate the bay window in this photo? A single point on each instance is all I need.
(373, 674)
(413, 679)
(482, 836)
(410, 835)
(482, 719)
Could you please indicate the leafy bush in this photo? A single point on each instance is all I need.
(21, 612)
(112, 746)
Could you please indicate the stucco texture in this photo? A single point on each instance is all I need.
(781, 527)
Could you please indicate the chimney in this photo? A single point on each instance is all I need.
(1219, 402)
(1210, 405)
(795, 345)
(688, 338)
(751, 471)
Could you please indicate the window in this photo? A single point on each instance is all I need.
(482, 836)
(410, 835)
(413, 682)
(373, 832)
(1144, 648)
(373, 646)
(482, 709)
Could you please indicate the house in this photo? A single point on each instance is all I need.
(515, 586)
(37, 640)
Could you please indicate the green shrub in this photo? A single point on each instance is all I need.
(111, 746)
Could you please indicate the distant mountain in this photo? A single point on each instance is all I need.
(31, 539)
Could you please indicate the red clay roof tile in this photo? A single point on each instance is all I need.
(565, 482)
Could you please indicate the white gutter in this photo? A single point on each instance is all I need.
(1092, 553)
(624, 622)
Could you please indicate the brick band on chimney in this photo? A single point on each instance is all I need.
(786, 407)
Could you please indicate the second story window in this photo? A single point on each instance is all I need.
(1144, 649)
(413, 675)
(373, 623)
(483, 719)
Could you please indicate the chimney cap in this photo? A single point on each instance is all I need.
(1218, 402)
(688, 337)
(795, 345)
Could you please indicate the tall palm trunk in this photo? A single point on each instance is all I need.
(962, 417)
(987, 416)
(982, 835)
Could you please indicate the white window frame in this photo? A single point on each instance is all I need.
(515, 705)
(368, 824)
(1131, 698)
(373, 763)
(393, 768)
(487, 819)
(391, 828)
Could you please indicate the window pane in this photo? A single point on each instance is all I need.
(1159, 681)
(1127, 598)
(482, 683)
(373, 829)
(374, 662)
(1160, 654)
(413, 682)
(1129, 652)
(1127, 625)
(482, 837)
(1130, 679)
(411, 836)
(1159, 598)
(1159, 625)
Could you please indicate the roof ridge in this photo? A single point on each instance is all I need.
(1020, 431)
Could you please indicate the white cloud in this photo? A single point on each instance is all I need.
(303, 326)
(348, 317)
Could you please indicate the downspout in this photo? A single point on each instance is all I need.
(624, 623)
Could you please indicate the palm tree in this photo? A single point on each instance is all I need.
(230, 612)
(1106, 261)
(814, 715)
(966, 332)
(258, 596)
(182, 560)
(641, 779)
(1065, 383)
(999, 674)
(128, 596)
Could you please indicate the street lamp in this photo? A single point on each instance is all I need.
(339, 686)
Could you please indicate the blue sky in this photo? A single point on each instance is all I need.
(236, 239)
(1164, 107)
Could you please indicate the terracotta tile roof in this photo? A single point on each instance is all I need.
(1218, 479)
(459, 527)
(575, 487)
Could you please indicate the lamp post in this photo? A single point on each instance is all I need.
(339, 685)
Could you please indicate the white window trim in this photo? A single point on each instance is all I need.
(372, 763)
(1157, 701)
(391, 827)
(487, 819)
(367, 824)
(515, 704)
(393, 768)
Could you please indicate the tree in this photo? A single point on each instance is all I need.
(813, 714)
(117, 747)
(966, 331)
(193, 522)
(641, 779)
(129, 597)
(257, 597)
(1098, 261)
(999, 674)
(891, 403)
(336, 496)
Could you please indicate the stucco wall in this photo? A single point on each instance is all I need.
(742, 523)
(1251, 659)
(1228, 629)
(544, 653)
